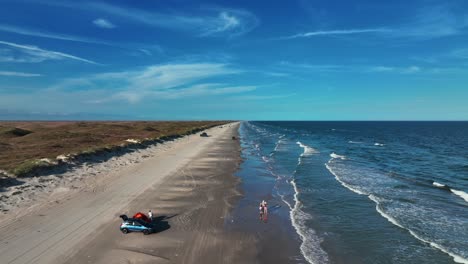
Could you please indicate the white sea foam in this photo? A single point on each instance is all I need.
(342, 182)
(278, 143)
(307, 150)
(310, 246)
(392, 220)
(354, 142)
(276, 146)
(456, 258)
(336, 156)
(462, 194)
(382, 213)
(265, 159)
(379, 144)
(458, 193)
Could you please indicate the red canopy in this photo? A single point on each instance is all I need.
(142, 216)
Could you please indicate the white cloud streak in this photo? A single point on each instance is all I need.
(43, 34)
(103, 23)
(262, 97)
(206, 22)
(402, 70)
(337, 32)
(19, 74)
(427, 23)
(205, 89)
(168, 81)
(32, 54)
(308, 68)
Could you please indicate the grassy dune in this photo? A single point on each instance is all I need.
(25, 146)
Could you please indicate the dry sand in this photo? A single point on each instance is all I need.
(189, 184)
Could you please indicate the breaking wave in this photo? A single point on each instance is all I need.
(336, 156)
(307, 150)
(310, 246)
(457, 258)
(458, 193)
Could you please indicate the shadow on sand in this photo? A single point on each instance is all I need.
(161, 224)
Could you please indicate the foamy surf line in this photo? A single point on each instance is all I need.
(307, 150)
(310, 246)
(277, 144)
(462, 194)
(456, 258)
(458, 193)
(336, 156)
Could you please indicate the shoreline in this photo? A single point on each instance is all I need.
(190, 187)
(277, 240)
(203, 206)
(192, 208)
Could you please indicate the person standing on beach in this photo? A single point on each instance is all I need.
(263, 210)
(260, 208)
(150, 214)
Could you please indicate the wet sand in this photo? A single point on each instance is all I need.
(202, 211)
(191, 208)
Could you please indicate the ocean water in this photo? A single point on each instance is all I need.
(368, 192)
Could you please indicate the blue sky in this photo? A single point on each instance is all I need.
(248, 60)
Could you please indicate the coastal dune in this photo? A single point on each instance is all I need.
(190, 187)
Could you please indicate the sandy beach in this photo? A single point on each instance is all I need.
(189, 184)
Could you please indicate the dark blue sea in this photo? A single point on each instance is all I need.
(367, 192)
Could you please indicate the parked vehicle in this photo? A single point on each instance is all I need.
(135, 225)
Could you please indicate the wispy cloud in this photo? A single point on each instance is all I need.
(211, 22)
(99, 22)
(426, 23)
(387, 69)
(205, 89)
(457, 55)
(103, 23)
(44, 34)
(262, 97)
(286, 65)
(308, 68)
(167, 81)
(434, 22)
(28, 53)
(19, 74)
(382, 69)
(202, 22)
(337, 32)
(276, 74)
(302, 68)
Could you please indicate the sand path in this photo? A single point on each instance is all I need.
(59, 232)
